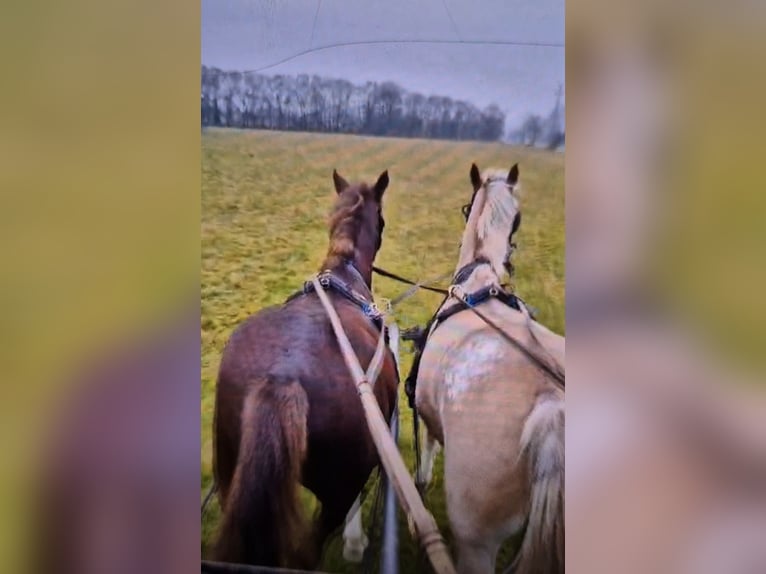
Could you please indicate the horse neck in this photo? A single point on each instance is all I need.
(469, 244)
(494, 248)
(363, 264)
(466, 257)
(360, 262)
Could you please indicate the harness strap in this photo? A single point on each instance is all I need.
(395, 277)
(416, 286)
(419, 339)
(329, 281)
(465, 272)
(479, 297)
(469, 301)
(552, 371)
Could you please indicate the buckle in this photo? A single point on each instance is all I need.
(387, 305)
(457, 292)
(372, 310)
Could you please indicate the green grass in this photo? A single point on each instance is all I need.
(265, 198)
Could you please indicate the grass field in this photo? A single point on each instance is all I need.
(265, 197)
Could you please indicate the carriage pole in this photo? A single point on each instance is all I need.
(389, 563)
(427, 531)
(390, 556)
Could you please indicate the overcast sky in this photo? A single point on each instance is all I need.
(255, 34)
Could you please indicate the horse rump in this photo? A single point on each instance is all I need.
(263, 520)
(542, 443)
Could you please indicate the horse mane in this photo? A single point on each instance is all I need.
(344, 224)
(499, 208)
(486, 233)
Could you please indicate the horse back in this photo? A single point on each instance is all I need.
(295, 342)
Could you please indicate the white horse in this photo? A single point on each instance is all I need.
(497, 412)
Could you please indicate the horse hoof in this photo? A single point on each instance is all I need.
(422, 483)
(353, 549)
(353, 552)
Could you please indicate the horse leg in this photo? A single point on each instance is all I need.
(354, 539)
(476, 557)
(332, 515)
(425, 470)
(428, 456)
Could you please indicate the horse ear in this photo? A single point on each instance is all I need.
(513, 175)
(475, 177)
(340, 183)
(381, 185)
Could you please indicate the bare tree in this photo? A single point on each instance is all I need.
(493, 123)
(554, 124)
(340, 96)
(532, 129)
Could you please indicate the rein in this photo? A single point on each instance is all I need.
(424, 285)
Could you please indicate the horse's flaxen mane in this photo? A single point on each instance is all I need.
(344, 223)
(500, 207)
(490, 222)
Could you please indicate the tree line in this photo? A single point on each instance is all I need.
(319, 104)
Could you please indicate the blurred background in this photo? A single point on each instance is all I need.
(99, 295)
(665, 240)
(100, 179)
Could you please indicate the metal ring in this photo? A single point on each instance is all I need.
(387, 304)
(493, 291)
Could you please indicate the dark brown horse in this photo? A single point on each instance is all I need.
(287, 411)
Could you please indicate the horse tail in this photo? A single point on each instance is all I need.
(262, 519)
(542, 442)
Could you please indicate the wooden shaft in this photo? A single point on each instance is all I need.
(428, 532)
(376, 363)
